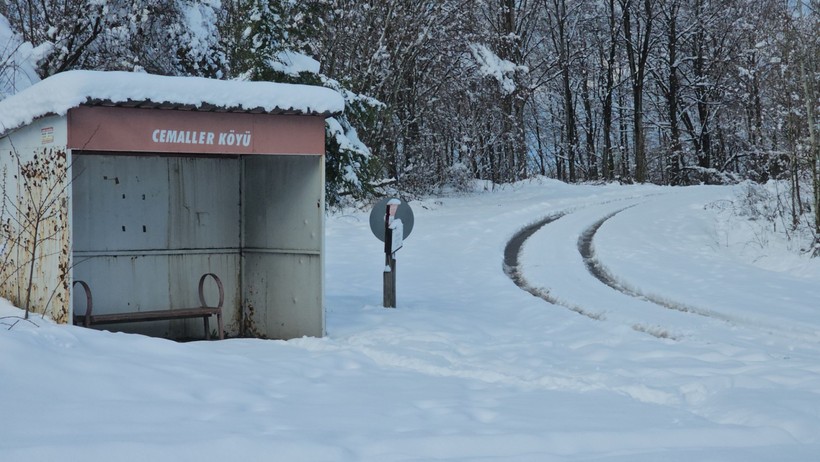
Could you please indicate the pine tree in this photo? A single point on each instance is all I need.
(268, 41)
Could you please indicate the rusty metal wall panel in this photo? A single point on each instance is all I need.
(39, 146)
(150, 203)
(283, 203)
(204, 202)
(114, 198)
(283, 294)
(283, 220)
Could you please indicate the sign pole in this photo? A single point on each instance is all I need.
(391, 221)
(389, 256)
(390, 283)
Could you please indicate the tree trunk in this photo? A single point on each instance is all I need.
(810, 99)
(672, 94)
(637, 50)
(592, 161)
(704, 152)
(608, 161)
(624, 139)
(558, 16)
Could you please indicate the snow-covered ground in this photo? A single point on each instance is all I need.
(708, 355)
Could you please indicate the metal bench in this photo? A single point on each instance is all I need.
(203, 311)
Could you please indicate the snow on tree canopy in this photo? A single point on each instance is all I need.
(61, 92)
(292, 63)
(17, 61)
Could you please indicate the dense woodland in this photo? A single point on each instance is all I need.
(441, 92)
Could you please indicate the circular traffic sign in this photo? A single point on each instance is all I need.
(404, 213)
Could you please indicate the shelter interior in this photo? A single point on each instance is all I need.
(146, 226)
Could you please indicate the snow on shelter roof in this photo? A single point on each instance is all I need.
(61, 92)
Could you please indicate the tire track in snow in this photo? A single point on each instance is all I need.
(512, 270)
(595, 268)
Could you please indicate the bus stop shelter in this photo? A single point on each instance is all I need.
(141, 184)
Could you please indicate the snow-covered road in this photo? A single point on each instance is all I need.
(657, 250)
(657, 265)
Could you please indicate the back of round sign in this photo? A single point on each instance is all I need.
(404, 213)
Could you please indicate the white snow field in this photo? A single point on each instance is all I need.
(712, 354)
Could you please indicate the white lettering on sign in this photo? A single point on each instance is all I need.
(229, 138)
(232, 138)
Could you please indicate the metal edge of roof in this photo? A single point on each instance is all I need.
(202, 107)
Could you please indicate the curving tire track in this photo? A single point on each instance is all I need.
(595, 268)
(513, 249)
(586, 248)
(587, 251)
(512, 270)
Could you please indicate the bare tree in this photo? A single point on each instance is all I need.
(670, 87)
(808, 55)
(638, 21)
(70, 26)
(559, 23)
(34, 232)
(607, 52)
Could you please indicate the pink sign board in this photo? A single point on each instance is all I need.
(98, 128)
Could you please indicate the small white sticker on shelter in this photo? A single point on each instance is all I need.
(47, 135)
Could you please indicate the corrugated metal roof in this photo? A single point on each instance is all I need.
(204, 107)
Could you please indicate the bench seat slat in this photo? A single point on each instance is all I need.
(153, 315)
